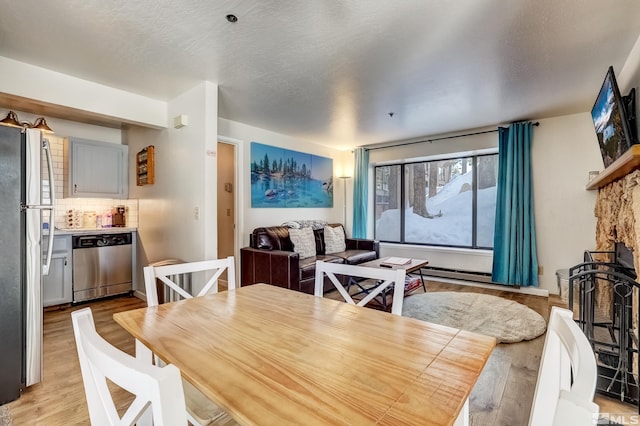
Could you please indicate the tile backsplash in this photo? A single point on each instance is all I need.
(98, 205)
(57, 156)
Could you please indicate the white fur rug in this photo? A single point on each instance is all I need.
(506, 320)
(5, 417)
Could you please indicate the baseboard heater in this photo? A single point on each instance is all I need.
(456, 274)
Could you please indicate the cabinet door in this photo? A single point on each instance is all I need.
(96, 169)
(56, 287)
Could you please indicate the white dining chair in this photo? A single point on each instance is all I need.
(567, 376)
(157, 387)
(386, 279)
(200, 410)
(174, 276)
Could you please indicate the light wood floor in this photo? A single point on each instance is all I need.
(502, 395)
(504, 391)
(60, 399)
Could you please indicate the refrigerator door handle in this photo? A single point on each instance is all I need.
(52, 199)
(36, 207)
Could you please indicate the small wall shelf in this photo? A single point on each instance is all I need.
(628, 162)
(145, 166)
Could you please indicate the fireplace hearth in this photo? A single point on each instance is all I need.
(604, 296)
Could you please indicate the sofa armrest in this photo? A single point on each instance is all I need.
(362, 244)
(275, 267)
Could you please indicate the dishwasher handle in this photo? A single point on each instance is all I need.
(100, 240)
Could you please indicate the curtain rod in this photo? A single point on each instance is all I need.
(439, 139)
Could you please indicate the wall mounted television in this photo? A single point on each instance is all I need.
(611, 113)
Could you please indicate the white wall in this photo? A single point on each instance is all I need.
(209, 159)
(185, 168)
(54, 88)
(564, 150)
(629, 77)
(250, 218)
(154, 202)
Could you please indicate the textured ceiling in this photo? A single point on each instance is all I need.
(330, 71)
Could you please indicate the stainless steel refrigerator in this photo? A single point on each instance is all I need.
(22, 263)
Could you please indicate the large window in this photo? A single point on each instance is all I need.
(445, 202)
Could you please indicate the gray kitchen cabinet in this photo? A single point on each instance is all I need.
(95, 169)
(57, 287)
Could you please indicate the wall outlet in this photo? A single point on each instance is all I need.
(196, 213)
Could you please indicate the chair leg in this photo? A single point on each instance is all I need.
(145, 354)
(463, 417)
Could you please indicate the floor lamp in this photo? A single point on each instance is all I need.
(344, 204)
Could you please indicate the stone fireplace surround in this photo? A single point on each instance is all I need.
(618, 215)
(617, 211)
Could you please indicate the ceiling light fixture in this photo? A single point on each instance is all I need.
(12, 120)
(232, 18)
(41, 124)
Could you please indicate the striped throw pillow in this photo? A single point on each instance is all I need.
(304, 243)
(334, 239)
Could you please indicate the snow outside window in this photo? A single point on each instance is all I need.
(446, 202)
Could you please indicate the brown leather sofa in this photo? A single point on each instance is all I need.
(270, 258)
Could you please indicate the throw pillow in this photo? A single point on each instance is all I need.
(334, 239)
(303, 241)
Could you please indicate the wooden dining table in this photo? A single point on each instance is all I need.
(272, 356)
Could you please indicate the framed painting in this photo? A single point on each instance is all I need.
(285, 178)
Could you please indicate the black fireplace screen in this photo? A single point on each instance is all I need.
(603, 294)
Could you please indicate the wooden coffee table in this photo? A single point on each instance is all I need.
(364, 287)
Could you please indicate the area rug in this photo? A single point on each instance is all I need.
(506, 320)
(5, 417)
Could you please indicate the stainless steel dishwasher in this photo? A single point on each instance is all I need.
(101, 265)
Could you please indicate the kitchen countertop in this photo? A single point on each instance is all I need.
(91, 231)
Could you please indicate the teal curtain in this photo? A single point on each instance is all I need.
(360, 194)
(515, 261)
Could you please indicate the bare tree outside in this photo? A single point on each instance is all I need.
(394, 185)
(387, 193)
(420, 190)
(446, 170)
(433, 178)
(488, 171)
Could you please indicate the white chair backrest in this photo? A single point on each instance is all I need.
(388, 277)
(169, 274)
(567, 355)
(160, 388)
